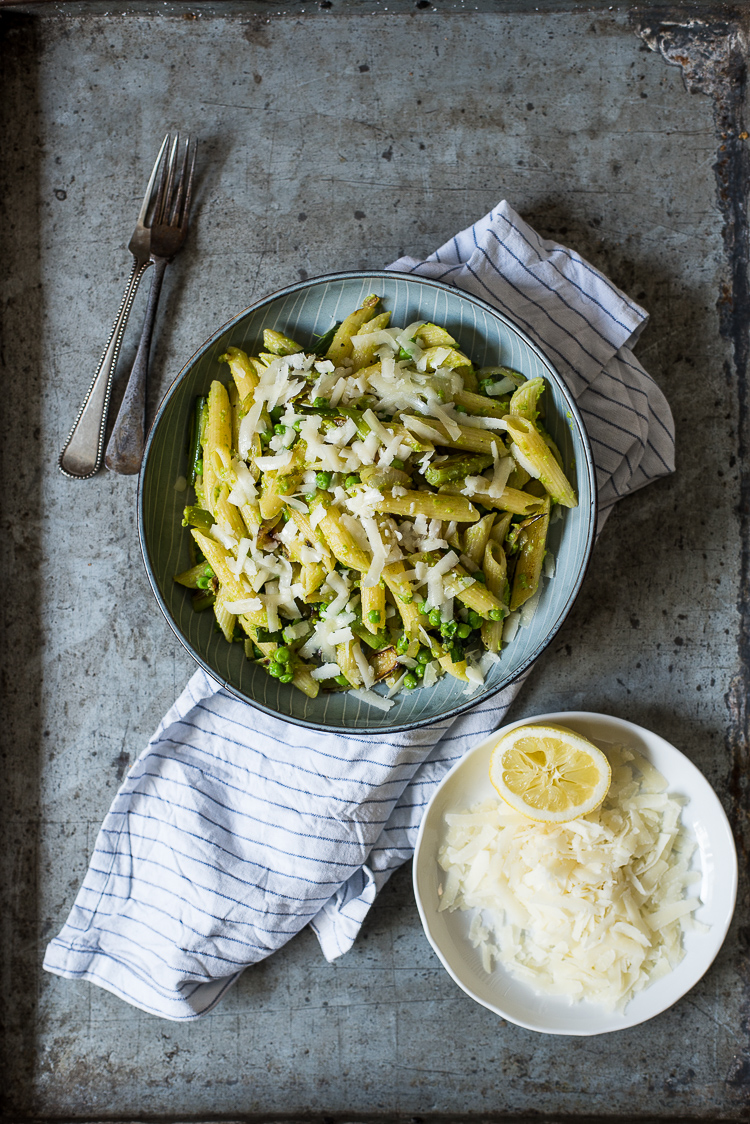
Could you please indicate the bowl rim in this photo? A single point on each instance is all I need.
(584, 562)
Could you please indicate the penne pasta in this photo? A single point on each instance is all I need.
(348, 518)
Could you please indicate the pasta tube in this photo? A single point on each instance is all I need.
(233, 587)
(524, 401)
(348, 664)
(532, 540)
(373, 607)
(341, 346)
(225, 619)
(341, 542)
(510, 499)
(403, 595)
(243, 371)
(495, 567)
(429, 504)
(539, 460)
(475, 539)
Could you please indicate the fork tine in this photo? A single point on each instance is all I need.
(189, 192)
(167, 197)
(180, 189)
(160, 190)
(150, 188)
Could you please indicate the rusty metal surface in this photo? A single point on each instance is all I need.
(341, 140)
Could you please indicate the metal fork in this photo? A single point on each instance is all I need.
(81, 455)
(169, 229)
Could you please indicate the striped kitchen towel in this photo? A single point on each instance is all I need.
(233, 829)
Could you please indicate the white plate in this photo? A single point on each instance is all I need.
(448, 933)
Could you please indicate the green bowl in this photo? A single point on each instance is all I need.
(303, 311)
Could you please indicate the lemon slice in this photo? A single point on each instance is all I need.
(549, 773)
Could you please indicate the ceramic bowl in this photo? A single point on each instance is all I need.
(303, 311)
(715, 859)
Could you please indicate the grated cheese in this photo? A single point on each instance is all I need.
(372, 699)
(582, 909)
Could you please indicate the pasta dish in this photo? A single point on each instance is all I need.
(373, 508)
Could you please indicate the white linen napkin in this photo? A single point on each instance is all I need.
(233, 829)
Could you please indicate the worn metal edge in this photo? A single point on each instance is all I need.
(712, 54)
(213, 9)
(357, 1118)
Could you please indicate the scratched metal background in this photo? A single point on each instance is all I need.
(339, 135)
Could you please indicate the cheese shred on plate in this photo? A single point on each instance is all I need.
(592, 909)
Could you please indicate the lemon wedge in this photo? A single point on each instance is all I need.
(549, 773)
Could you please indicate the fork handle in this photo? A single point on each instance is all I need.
(125, 448)
(81, 456)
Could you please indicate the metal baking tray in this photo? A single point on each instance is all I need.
(338, 135)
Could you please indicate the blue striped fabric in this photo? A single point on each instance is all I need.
(233, 830)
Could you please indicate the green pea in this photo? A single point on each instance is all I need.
(410, 681)
(265, 438)
(351, 481)
(341, 680)
(283, 655)
(434, 618)
(496, 614)
(460, 409)
(374, 616)
(463, 631)
(320, 403)
(285, 516)
(474, 619)
(422, 607)
(401, 645)
(448, 628)
(323, 480)
(297, 425)
(287, 677)
(424, 655)
(275, 670)
(397, 463)
(419, 671)
(279, 429)
(310, 496)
